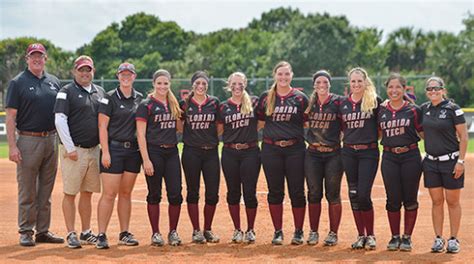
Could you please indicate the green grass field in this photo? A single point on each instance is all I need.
(4, 148)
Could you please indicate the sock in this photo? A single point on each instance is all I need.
(314, 211)
(234, 210)
(276, 211)
(193, 211)
(335, 212)
(173, 212)
(209, 211)
(154, 217)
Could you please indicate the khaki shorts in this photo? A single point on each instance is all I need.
(81, 175)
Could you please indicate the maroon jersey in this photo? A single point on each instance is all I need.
(287, 119)
(238, 127)
(399, 127)
(161, 125)
(325, 122)
(200, 128)
(358, 127)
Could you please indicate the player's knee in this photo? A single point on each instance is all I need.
(333, 197)
(232, 199)
(410, 206)
(298, 200)
(353, 197)
(275, 198)
(212, 199)
(175, 199)
(250, 200)
(192, 198)
(153, 199)
(393, 206)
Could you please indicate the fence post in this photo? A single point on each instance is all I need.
(267, 82)
(102, 81)
(212, 85)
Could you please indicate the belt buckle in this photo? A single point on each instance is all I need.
(444, 158)
(127, 144)
(44, 133)
(240, 146)
(398, 150)
(356, 147)
(283, 143)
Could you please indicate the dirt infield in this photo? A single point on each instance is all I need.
(261, 252)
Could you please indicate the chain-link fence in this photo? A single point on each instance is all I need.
(339, 85)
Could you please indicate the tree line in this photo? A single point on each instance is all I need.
(309, 42)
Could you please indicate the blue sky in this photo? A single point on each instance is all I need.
(72, 23)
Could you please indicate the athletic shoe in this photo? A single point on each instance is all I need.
(359, 243)
(211, 237)
(72, 241)
(48, 237)
(88, 238)
(438, 245)
(250, 236)
(370, 243)
(102, 242)
(173, 238)
(126, 238)
(394, 243)
(453, 246)
(157, 240)
(331, 239)
(298, 237)
(198, 237)
(26, 239)
(406, 244)
(277, 238)
(238, 236)
(313, 238)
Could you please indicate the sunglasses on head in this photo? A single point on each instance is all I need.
(434, 88)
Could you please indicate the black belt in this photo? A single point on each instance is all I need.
(240, 146)
(361, 146)
(281, 143)
(124, 144)
(402, 149)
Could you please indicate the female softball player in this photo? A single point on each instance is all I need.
(323, 157)
(240, 155)
(157, 124)
(281, 108)
(443, 167)
(120, 157)
(200, 155)
(360, 154)
(400, 125)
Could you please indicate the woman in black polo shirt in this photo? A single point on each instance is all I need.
(157, 124)
(443, 167)
(240, 155)
(200, 155)
(120, 158)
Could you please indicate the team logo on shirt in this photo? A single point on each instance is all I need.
(345, 107)
(51, 86)
(80, 96)
(427, 113)
(442, 113)
(157, 108)
(122, 107)
(32, 88)
(104, 101)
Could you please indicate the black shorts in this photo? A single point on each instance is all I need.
(440, 174)
(121, 160)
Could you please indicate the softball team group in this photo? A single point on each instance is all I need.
(314, 139)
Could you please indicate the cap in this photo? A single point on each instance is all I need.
(126, 67)
(35, 47)
(83, 61)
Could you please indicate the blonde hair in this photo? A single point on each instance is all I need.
(314, 95)
(172, 101)
(246, 107)
(272, 90)
(369, 99)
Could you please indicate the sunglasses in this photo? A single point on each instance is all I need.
(434, 88)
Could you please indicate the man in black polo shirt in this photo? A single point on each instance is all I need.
(76, 120)
(30, 101)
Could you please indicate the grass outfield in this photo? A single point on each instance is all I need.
(4, 148)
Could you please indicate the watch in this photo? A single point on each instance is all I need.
(460, 161)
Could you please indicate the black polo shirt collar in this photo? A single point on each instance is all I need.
(122, 97)
(441, 104)
(78, 86)
(31, 75)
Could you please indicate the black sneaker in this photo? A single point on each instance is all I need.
(394, 243)
(26, 239)
(406, 244)
(48, 237)
(88, 238)
(102, 242)
(298, 237)
(72, 241)
(277, 238)
(126, 238)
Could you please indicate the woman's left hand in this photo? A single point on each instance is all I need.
(458, 170)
